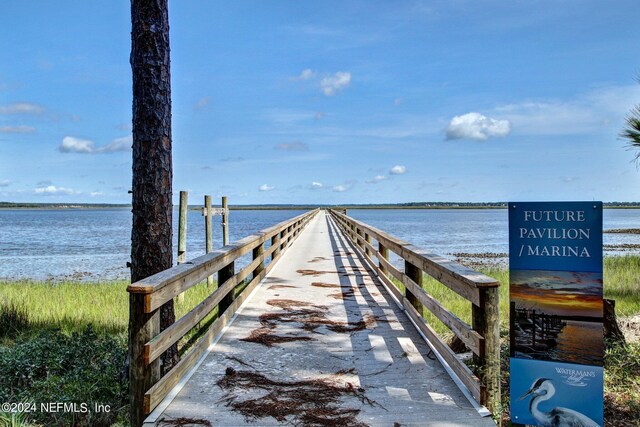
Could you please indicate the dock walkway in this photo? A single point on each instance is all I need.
(319, 333)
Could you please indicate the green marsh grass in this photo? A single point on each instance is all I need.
(71, 306)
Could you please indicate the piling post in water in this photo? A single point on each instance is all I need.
(182, 232)
(225, 221)
(182, 227)
(208, 231)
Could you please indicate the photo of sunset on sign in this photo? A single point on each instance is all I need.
(557, 315)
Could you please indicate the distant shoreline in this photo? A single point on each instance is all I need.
(414, 206)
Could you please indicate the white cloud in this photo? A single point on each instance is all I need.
(477, 126)
(337, 82)
(316, 185)
(319, 115)
(5, 183)
(72, 144)
(202, 102)
(376, 179)
(96, 193)
(118, 144)
(17, 129)
(292, 146)
(398, 170)
(340, 188)
(52, 190)
(22, 108)
(306, 74)
(266, 187)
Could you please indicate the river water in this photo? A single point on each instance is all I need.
(94, 244)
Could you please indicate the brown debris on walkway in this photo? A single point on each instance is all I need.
(315, 402)
(325, 285)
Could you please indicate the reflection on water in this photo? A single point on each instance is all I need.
(580, 342)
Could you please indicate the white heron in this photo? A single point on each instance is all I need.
(542, 390)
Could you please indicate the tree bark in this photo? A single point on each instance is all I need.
(151, 233)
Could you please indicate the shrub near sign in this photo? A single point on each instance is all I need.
(557, 348)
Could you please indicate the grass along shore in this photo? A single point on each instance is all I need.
(40, 318)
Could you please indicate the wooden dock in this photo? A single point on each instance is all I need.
(316, 336)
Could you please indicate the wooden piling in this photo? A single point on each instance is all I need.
(208, 230)
(225, 221)
(182, 231)
(182, 227)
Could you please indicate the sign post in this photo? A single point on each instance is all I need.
(556, 308)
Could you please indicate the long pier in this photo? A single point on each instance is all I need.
(315, 331)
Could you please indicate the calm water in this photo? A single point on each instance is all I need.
(95, 244)
(580, 342)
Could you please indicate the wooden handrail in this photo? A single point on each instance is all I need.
(482, 337)
(146, 343)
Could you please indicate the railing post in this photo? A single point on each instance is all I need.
(275, 241)
(486, 321)
(415, 274)
(142, 328)
(367, 239)
(384, 253)
(182, 232)
(208, 232)
(359, 234)
(257, 252)
(225, 221)
(224, 274)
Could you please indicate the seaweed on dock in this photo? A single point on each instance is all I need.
(315, 402)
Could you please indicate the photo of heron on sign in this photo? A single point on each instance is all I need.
(556, 394)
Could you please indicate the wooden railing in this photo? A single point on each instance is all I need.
(482, 337)
(147, 343)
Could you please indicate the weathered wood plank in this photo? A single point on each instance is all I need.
(468, 378)
(471, 338)
(391, 269)
(391, 287)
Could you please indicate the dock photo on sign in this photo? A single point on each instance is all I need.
(557, 315)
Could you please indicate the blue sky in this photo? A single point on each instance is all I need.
(329, 102)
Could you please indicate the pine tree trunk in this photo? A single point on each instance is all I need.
(151, 233)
